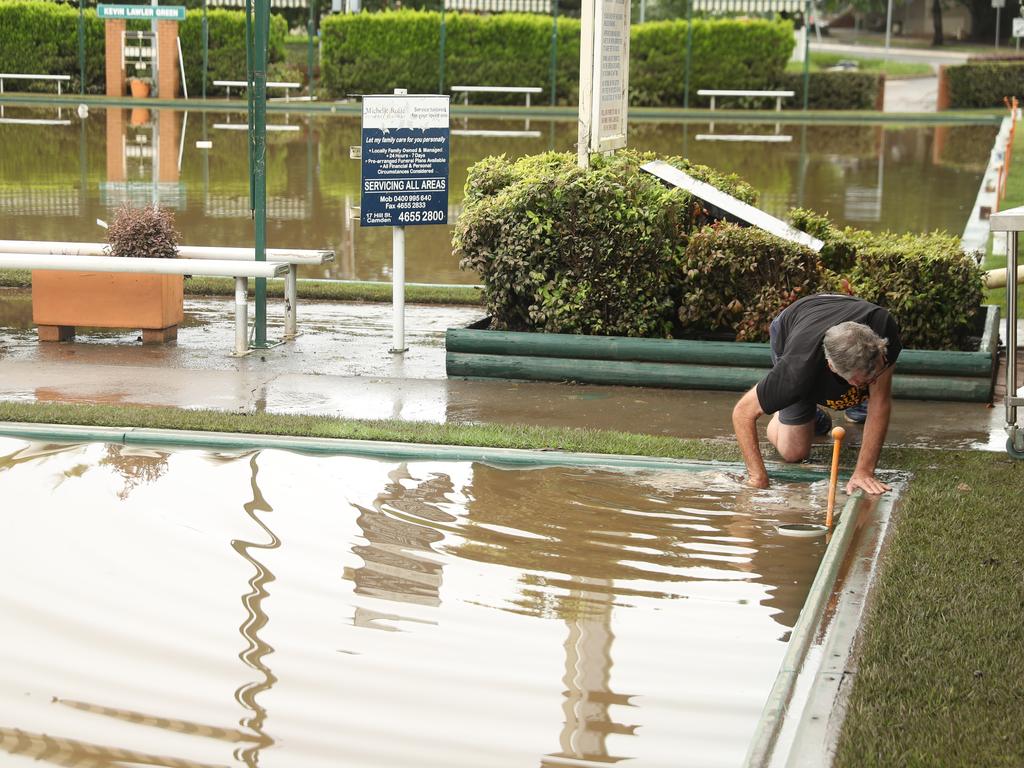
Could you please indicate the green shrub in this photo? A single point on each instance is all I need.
(226, 46)
(834, 90)
(840, 250)
(927, 282)
(566, 250)
(984, 84)
(42, 39)
(725, 53)
(515, 49)
(738, 278)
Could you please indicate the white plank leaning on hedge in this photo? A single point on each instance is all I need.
(293, 257)
(240, 270)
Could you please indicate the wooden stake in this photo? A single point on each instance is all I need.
(837, 436)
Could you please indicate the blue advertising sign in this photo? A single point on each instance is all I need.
(405, 151)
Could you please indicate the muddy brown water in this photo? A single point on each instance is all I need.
(197, 608)
(914, 178)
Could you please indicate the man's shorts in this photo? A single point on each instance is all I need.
(802, 411)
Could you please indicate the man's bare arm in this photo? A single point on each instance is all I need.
(744, 423)
(875, 429)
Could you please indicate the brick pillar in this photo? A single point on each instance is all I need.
(113, 30)
(167, 50)
(169, 136)
(944, 98)
(115, 144)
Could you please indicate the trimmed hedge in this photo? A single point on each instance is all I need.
(834, 90)
(226, 46)
(739, 278)
(41, 38)
(515, 49)
(567, 250)
(612, 251)
(984, 84)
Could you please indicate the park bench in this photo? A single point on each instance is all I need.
(465, 90)
(229, 84)
(293, 258)
(58, 78)
(777, 95)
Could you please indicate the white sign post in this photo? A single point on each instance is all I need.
(604, 77)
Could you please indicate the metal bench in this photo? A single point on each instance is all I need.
(229, 84)
(240, 270)
(777, 95)
(292, 257)
(468, 89)
(58, 78)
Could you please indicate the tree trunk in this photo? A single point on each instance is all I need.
(937, 38)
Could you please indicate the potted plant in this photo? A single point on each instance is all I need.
(154, 303)
(140, 87)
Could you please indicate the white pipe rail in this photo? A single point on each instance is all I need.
(239, 269)
(294, 257)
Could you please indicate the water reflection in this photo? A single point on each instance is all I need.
(520, 616)
(903, 178)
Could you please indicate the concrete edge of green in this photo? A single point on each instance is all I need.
(474, 353)
(673, 114)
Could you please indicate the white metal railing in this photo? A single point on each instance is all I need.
(58, 78)
(1011, 221)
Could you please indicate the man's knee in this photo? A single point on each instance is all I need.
(793, 453)
(792, 441)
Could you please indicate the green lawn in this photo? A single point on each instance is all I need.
(891, 69)
(1014, 197)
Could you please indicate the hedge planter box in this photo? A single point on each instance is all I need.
(63, 300)
(681, 364)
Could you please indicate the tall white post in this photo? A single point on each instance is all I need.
(398, 289)
(587, 14)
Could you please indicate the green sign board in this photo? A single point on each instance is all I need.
(158, 12)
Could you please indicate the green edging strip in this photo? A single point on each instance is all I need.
(644, 114)
(501, 444)
(317, 290)
(759, 752)
(683, 364)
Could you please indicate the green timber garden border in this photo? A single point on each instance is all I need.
(476, 353)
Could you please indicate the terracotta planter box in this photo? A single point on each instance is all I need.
(63, 300)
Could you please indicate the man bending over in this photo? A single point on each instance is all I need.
(830, 350)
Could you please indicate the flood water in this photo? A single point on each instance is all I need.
(56, 180)
(284, 610)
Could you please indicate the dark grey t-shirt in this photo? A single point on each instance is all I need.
(801, 372)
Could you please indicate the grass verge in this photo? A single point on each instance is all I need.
(1014, 197)
(322, 290)
(891, 69)
(938, 679)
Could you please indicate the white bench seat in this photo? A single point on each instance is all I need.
(229, 84)
(713, 93)
(465, 90)
(58, 78)
(240, 270)
(293, 257)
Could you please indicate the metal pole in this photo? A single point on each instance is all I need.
(998, 14)
(81, 49)
(888, 25)
(689, 53)
(807, 53)
(643, 11)
(398, 289)
(262, 23)
(248, 96)
(554, 52)
(440, 47)
(1012, 243)
(206, 51)
(241, 315)
(309, 48)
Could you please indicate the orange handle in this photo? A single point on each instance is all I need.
(837, 435)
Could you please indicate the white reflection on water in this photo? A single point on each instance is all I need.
(276, 609)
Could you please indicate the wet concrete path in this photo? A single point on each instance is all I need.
(340, 366)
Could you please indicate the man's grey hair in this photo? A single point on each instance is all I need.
(853, 348)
